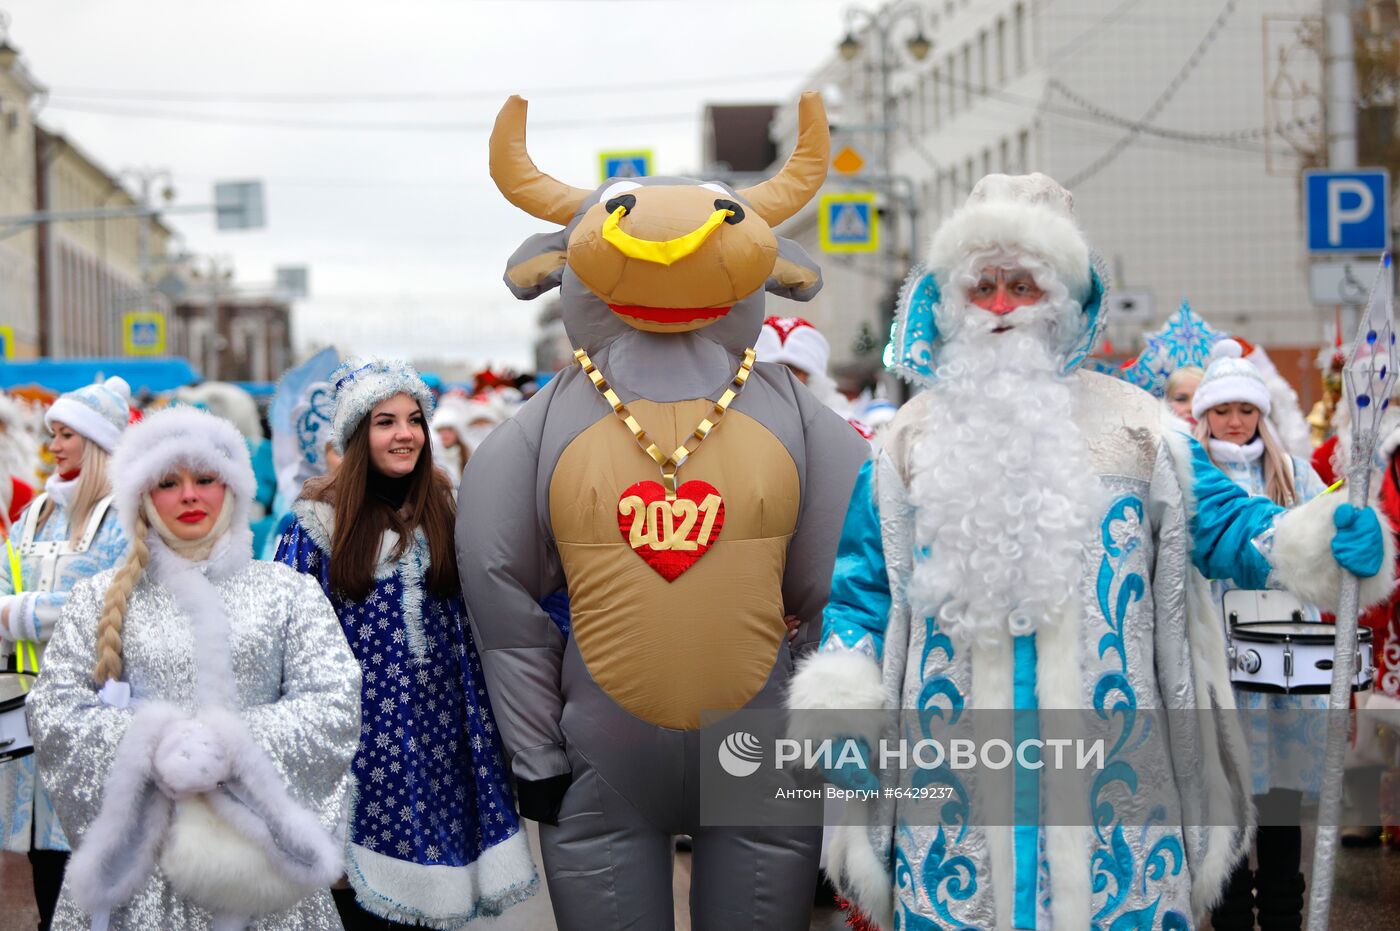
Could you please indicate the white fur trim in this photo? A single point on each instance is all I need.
(833, 693)
(836, 680)
(1224, 844)
(317, 518)
(118, 850)
(1015, 225)
(857, 872)
(179, 437)
(209, 863)
(258, 805)
(1302, 556)
(443, 896)
(199, 600)
(993, 689)
(415, 565)
(1067, 848)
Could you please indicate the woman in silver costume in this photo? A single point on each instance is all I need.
(198, 710)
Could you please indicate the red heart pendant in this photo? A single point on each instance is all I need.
(670, 536)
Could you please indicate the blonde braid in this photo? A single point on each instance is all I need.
(109, 627)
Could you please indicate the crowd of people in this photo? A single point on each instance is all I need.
(318, 679)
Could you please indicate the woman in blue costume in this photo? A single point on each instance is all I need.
(433, 837)
(65, 535)
(1232, 409)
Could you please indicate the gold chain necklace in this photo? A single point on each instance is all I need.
(669, 464)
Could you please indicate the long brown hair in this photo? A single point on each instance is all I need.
(361, 519)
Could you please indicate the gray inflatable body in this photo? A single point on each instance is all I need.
(603, 726)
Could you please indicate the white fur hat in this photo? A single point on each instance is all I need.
(793, 341)
(362, 383)
(174, 438)
(1029, 214)
(96, 412)
(1230, 378)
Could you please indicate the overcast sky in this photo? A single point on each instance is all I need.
(396, 216)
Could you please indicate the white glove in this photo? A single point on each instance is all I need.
(189, 760)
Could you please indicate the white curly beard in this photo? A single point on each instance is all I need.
(1002, 483)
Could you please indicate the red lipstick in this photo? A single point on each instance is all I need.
(192, 517)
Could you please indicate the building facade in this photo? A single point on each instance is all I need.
(18, 275)
(231, 337)
(90, 271)
(1156, 116)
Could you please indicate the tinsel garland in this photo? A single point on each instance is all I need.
(855, 918)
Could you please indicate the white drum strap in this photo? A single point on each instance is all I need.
(49, 551)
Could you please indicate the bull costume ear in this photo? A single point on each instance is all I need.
(519, 180)
(795, 275)
(781, 196)
(538, 265)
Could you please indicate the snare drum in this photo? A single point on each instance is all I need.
(1293, 657)
(15, 741)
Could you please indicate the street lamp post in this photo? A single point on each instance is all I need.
(146, 179)
(881, 24)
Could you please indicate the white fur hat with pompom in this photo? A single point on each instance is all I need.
(1230, 377)
(95, 412)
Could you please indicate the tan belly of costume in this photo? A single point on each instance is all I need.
(667, 651)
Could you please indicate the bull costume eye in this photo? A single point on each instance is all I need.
(736, 212)
(627, 202)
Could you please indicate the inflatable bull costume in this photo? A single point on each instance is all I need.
(679, 565)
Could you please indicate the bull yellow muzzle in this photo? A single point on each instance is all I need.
(662, 253)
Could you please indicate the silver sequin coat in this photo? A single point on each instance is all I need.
(297, 691)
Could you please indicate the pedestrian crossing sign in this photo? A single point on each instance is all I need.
(849, 223)
(632, 164)
(143, 333)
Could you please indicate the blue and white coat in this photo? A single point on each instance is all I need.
(46, 581)
(1145, 635)
(1285, 747)
(433, 836)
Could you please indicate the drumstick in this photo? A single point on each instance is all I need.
(1335, 485)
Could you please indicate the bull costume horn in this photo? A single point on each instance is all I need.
(784, 194)
(515, 173)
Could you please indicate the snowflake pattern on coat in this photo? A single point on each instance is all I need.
(432, 786)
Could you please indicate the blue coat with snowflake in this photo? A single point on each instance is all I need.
(433, 838)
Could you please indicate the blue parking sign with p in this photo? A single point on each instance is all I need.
(1348, 211)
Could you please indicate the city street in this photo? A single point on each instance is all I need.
(463, 415)
(1367, 896)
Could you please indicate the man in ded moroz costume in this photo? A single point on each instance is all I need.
(686, 498)
(1025, 539)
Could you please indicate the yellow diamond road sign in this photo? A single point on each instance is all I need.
(848, 161)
